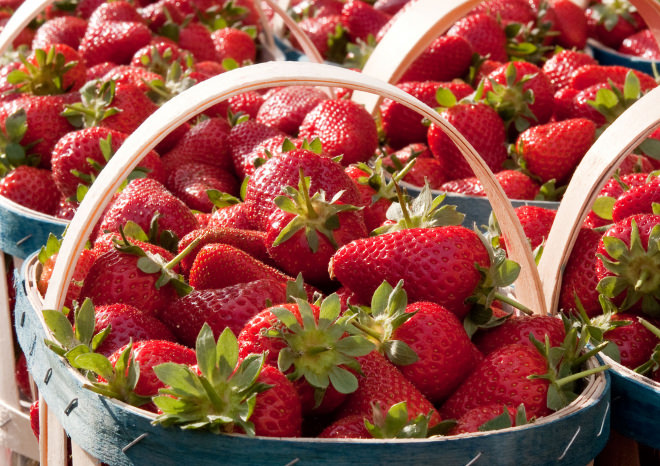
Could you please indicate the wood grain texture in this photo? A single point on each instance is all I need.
(121, 435)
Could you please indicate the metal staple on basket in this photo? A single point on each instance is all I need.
(568, 447)
(474, 460)
(135, 441)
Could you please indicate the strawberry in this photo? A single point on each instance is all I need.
(518, 11)
(634, 342)
(641, 44)
(244, 138)
(484, 34)
(344, 127)
(286, 109)
(140, 201)
(361, 20)
(281, 171)
(637, 200)
(485, 418)
(571, 24)
(552, 151)
(444, 273)
(347, 427)
(579, 279)
(611, 22)
(258, 400)
(390, 6)
(55, 70)
(229, 307)
(481, 126)
(248, 103)
(426, 170)
(116, 11)
(34, 418)
(517, 330)
(445, 353)
(404, 126)
(127, 323)
(306, 230)
(31, 187)
(446, 58)
(191, 182)
(126, 74)
(382, 383)
(196, 38)
(515, 184)
(158, 57)
(113, 41)
(327, 35)
(590, 75)
(230, 216)
(205, 142)
(234, 44)
(536, 223)
(627, 265)
(251, 241)
(559, 67)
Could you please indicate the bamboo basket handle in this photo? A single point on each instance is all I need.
(25, 13)
(421, 23)
(650, 11)
(596, 167)
(221, 87)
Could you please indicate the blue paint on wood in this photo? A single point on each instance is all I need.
(118, 436)
(21, 234)
(607, 56)
(635, 409)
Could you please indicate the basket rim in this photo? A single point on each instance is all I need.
(631, 375)
(602, 48)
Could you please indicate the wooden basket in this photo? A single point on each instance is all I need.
(635, 399)
(118, 434)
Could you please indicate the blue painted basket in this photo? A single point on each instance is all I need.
(635, 405)
(607, 56)
(118, 434)
(23, 231)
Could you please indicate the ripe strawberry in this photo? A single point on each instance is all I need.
(244, 138)
(590, 75)
(248, 103)
(196, 38)
(191, 181)
(426, 170)
(516, 185)
(158, 57)
(281, 171)
(484, 34)
(321, 31)
(634, 341)
(579, 278)
(445, 353)
(231, 216)
(127, 323)
(126, 74)
(381, 382)
(235, 44)
(536, 223)
(447, 58)
(615, 187)
(390, 6)
(286, 109)
(637, 200)
(552, 151)
(361, 20)
(436, 264)
(517, 330)
(277, 411)
(481, 126)
(612, 22)
(140, 201)
(344, 127)
(559, 67)
(481, 418)
(31, 187)
(627, 265)
(347, 427)
(404, 126)
(641, 44)
(55, 70)
(376, 194)
(205, 142)
(116, 11)
(113, 41)
(229, 307)
(34, 418)
(571, 24)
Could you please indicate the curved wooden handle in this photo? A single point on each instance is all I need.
(650, 11)
(19, 20)
(207, 93)
(414, 30)
(597, 166)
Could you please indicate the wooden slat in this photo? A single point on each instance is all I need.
(52, 438)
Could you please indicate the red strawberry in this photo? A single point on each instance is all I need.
(127, 323)
(196, 38)
(579, 278)
(637, 200)
(85, 261)
(628, 262)
(56, 69)
(552, 151)
(634, 341)
(113, 41)
(319, 30)
(286, 108)
(347, 427)
(426, 170)
(612, 22)
(445, 353)
(34, 418)
(590, 75)
(344, 127)
(614, 188)
(114, 11)
(559, 67)
(536, 222)
(277, 411)
(404, 126)
(571, 24)
(447, 58)
(229, 307)
(475, 418)
(159, 56)
(484, 34)
(206, 142)
(361, 19)
(381, 382)
(375, 193)
(436, 264)
(31, 187)
(244, 138)
(515, 183)
(191, 181)
(481, 126)
(126, 74)
(140, 201)
(235, 44)
(518, 11)
(232, 216)
(517, 330)
(281, 171)
(248, 103)
(641, 44)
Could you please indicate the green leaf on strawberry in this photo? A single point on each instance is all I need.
(653, 364)
(503, 421)
(395, 423)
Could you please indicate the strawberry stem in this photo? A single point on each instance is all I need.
(643, 277)
(179, 257)
(512, 302)
(574, 377)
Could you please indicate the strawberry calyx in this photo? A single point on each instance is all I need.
(175, 80)
(378, 322)
(608, 13)
(423, 211)
(95, 104)
(313, 214)
(357, 53)
(395, 423)
(612, 102)
(319, 351)
(160, 63)
(653, 364)
(503, 421)
(227, 15)
(636, 270)
(378, 179)
(338, 43)
(12, 152)
(45, 76)
(527, 41)
(220, 397)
